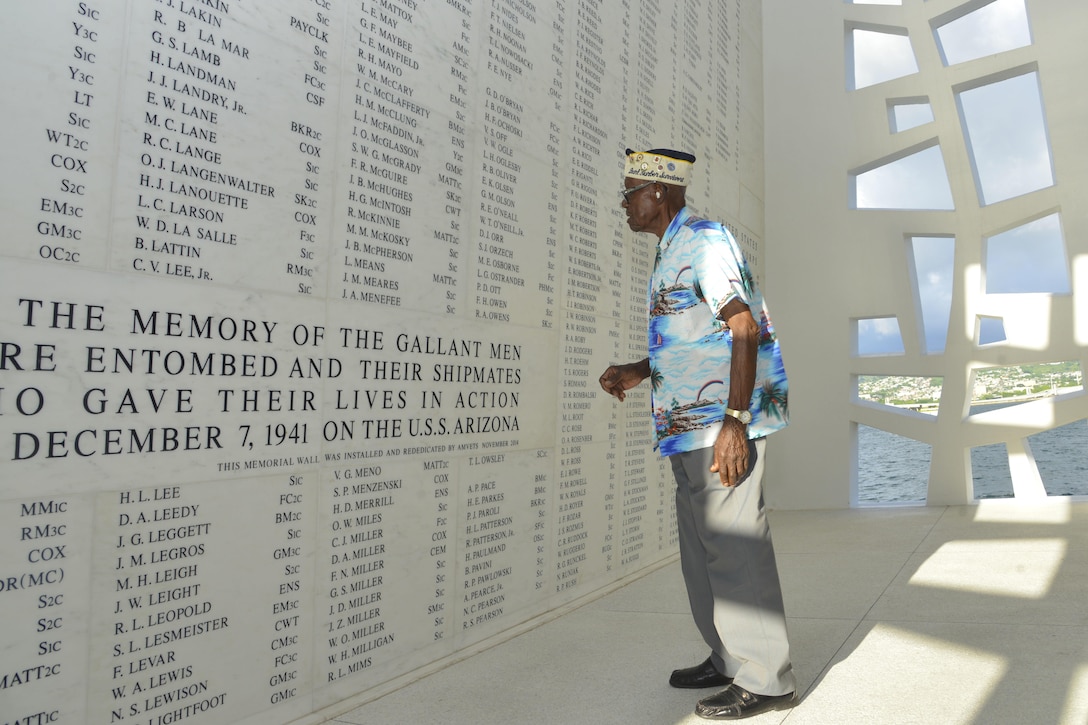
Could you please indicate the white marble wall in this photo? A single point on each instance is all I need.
(302, 307)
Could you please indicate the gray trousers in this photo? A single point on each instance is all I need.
(729, 567)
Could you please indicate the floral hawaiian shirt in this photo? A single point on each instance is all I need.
(699, 269)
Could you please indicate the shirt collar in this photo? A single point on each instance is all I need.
(677, 222)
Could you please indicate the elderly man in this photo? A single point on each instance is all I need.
(718, 388)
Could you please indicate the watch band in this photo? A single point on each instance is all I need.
(742, 415)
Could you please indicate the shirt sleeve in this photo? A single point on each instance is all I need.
(721, 272)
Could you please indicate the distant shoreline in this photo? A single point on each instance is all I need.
(929, 407)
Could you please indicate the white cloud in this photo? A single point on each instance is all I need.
(879, 336)
(1002, 25)
(918, 181)
(880, 57)
(934, 264)
(1028, 258)
(1006, 130)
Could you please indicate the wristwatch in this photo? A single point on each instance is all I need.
(742, 415)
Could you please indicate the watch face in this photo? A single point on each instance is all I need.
(743, 416)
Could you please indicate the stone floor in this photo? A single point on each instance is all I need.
(934, 616)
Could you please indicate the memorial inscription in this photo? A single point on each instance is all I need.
(161, 605)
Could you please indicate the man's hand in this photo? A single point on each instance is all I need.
(618, 379)
(731, 452)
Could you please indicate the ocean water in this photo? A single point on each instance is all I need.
(893, 469)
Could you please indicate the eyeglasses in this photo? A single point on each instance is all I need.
(626, 193)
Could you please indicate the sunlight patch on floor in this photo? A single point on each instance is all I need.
(890, 657)
(1077, 695)
(1054, 511)
(1023, 568)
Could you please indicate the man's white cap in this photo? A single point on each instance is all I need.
(664, 165)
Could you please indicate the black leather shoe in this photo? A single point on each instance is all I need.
(734, 703)
(704, 675)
